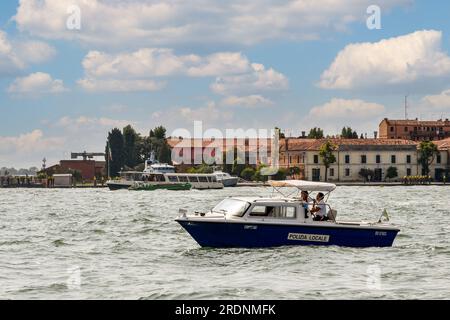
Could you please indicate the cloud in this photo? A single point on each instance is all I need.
(37, 83)
(83, 123)
(28, 143)
(172, 22)
(401, 60)
(258, 80)
(147, 69)
(439, 101)
(251, 101)
(16, 55)
(347, 109)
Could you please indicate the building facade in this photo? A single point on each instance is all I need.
(353, 156)
(414, 129)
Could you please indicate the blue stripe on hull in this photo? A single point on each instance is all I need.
(223, 235)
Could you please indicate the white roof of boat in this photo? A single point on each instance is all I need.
(264, 199)
(304, 185)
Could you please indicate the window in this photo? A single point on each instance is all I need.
(213, 178)
(331, 172)
(393, 159)
(406, 129)
(438, 158)
(193, 179)
(408, 158)
(378, 158)
(392, 129)
(347, 172)
(316, 158)
(232, 207)
(173, 178)
(183, 179)
(408, 171)
(278, 212)
(363, 158)
(203, 179)
(347, 158)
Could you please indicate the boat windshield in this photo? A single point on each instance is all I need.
(232, 207)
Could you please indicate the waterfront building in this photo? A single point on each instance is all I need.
(87, 168)
(414, 129)
(353, 156)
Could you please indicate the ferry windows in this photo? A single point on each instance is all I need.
(183, 178)
(347, 158)
(212, 178)
(193, 179)
(203, 179)
(173, 178)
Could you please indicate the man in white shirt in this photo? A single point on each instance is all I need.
(319, 209)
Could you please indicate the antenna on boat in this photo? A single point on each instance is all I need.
(384, 215)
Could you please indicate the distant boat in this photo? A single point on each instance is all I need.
(226, 178)
(281, 221)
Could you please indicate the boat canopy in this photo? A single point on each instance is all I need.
(304, 185)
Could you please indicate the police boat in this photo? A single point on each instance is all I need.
(282, 221)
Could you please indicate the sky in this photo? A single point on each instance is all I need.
(71, 70)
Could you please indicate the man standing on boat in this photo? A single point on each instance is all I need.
(319, 208)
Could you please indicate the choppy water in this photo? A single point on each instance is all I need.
(86, 244)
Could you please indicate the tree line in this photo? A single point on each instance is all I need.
(127, 149)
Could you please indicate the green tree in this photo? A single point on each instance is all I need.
(327, 156)
(281, 174)
(366, 173)
(159, 132)
(115, 152)
(391, 173)
(131, 146)
(294, 171)
(427, 152)
(248, 173)
(349, 133)
(164, 152)
(258, 176)
(315, 133)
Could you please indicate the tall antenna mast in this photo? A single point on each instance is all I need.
(406, 107)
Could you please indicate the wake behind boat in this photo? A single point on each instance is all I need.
(270, 222)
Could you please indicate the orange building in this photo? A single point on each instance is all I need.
(414, 129)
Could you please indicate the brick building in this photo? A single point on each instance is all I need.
(88, 168)
(414, 129)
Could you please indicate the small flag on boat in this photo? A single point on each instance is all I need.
(384, 215)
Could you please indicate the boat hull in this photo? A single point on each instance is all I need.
(230, 182)
(118, 186)
(247, 235)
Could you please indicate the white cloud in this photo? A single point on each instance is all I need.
(247, 101)
(161, 23)
(396, 61)
(28, 143)
(256, 81)
(439, 101)
(347, 109)
(120, 85)
(16, 55)
(37, 83)
(143, 69)
(83, 123)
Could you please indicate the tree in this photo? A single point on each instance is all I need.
(131, 144)
(164, 152)
(327, 156)
(248, 173)
(391, 173)
(348, 133)
(294, 171)
(315, 133)
(115, 152)
(366, 173)
(281, 174)
(159, 132)
(427, 152)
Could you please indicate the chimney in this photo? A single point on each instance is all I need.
(375, 134)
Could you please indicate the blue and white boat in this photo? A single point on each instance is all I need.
(279, 221)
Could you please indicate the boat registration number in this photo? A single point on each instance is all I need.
(308, 237)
